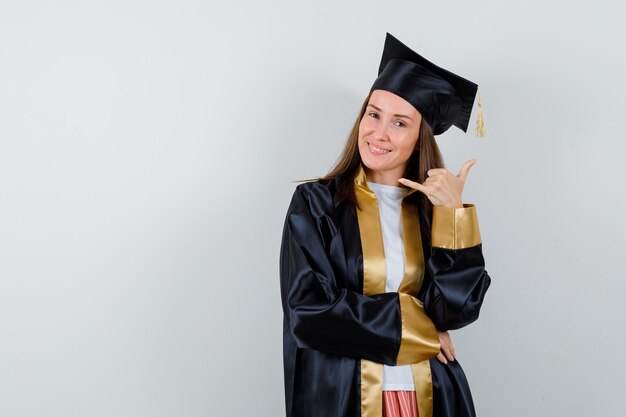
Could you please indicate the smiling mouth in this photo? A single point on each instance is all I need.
(376, 150)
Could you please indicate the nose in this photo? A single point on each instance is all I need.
(380, 133)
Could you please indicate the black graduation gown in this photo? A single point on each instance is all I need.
(333, 330)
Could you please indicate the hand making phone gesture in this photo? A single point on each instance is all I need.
(443, 188)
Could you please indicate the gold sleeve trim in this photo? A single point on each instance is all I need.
(420, 340)
(455, 228)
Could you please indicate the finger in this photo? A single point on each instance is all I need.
(447, 352)
(450, 346)
(465, 168)
(446, 345)
(414, 184)
(434, 171)
(441, 358)
(435, 183)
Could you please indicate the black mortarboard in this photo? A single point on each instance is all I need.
(442, 98)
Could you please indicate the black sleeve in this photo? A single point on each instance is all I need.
(457, 280)
(336, 320)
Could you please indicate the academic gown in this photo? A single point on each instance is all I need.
(340, 325)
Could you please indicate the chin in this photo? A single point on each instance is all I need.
(374, 166)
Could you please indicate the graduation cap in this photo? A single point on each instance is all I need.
(442, 98)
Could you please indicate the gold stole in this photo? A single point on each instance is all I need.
(374, 277)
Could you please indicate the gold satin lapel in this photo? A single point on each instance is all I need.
(374, 280)
(374, 277)
(423, 381)
(411, 236)
(371, 389)
(411, 283)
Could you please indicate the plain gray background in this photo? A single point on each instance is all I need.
(147, 153)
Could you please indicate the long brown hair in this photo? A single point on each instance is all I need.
(425, 156)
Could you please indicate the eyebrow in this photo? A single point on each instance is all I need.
(395, 115)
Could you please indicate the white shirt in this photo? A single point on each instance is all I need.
(389, 206)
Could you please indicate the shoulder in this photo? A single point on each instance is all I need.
(316, 188)
(317, 196)
(312, 187)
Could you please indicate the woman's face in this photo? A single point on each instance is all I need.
(392, 125)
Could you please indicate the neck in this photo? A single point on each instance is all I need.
(384, 177)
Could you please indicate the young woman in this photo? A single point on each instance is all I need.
(381, 258)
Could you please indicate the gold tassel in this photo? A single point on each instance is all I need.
(480, 118)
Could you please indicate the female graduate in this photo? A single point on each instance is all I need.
(381, 258)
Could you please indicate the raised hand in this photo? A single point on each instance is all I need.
(443, 188)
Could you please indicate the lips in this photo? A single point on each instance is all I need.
(376, 150)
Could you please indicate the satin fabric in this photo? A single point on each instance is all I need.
(329, 325)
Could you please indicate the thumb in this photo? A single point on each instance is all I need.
(465, 169)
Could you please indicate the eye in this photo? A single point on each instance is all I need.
(402, 124)
(375, 115)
